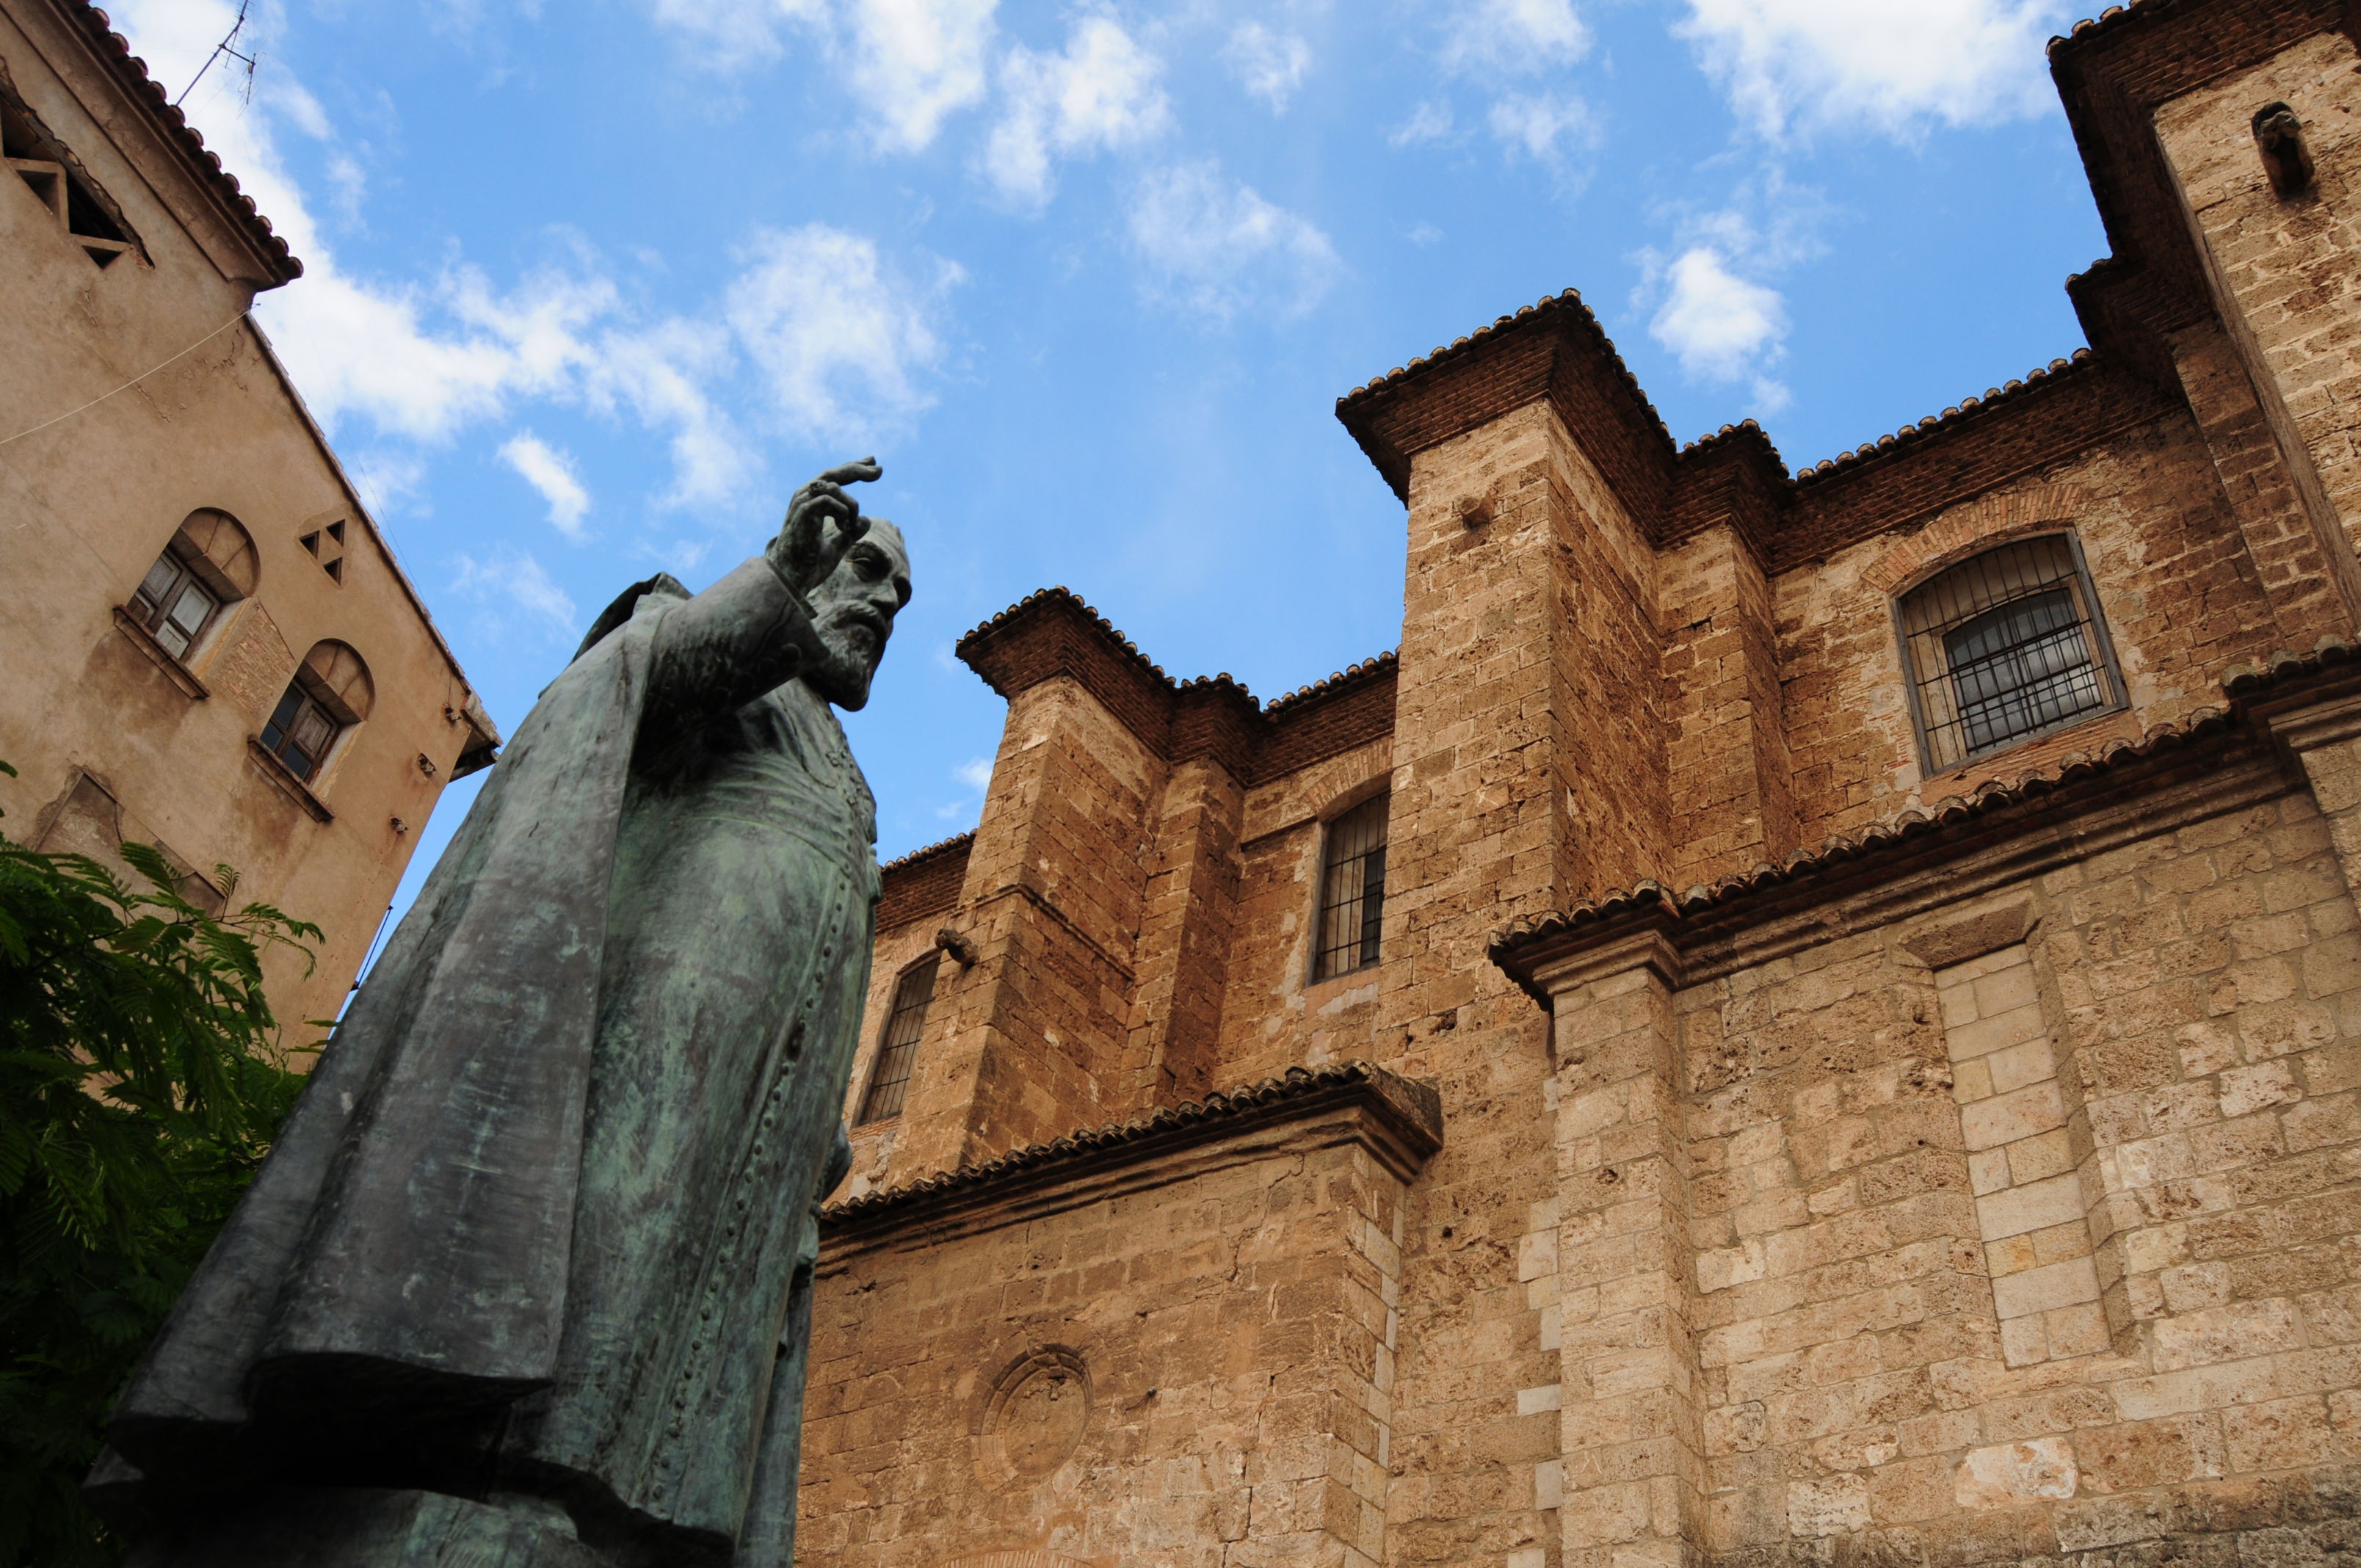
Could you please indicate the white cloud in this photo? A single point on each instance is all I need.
(1101, 93)
(663, 372)
(1431, 121)
(1804, 64)
(357, 348)
(1268, 65)
(1523, 36)
(914, 62)
(975, 775)
(551, 472)
(838, 341)
(1219, 248)
(736, 32)
(909, 63)
(509, 579)
(1719, 326)
(1543, 127)
(354, 346)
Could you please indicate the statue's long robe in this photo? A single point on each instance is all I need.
(535, 1227)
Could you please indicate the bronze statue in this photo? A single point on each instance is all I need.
(525, 1280)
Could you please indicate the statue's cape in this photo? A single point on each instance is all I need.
(402, 1254)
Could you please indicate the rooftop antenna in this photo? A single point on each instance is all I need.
(220, 49)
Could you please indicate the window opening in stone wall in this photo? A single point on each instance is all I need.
(209, 564)
(897, 1048)
(82, 212)
(2004, 647)
(330, 693)
(1352, 890)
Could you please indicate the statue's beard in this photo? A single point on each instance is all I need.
(855, 644)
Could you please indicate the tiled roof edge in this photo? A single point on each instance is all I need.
(942, 846)
(1548, 304)
(1102, 625)
(131, 72)
(1918, 821)
(2285, 667)
(1417, 1105)
(1950, 418)
(1745, 430)
(1351, 675)
(2107, 21)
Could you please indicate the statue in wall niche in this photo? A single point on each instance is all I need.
(526, 1279)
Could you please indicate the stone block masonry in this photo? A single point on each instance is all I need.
(2021, 1165)
(1835, 1161)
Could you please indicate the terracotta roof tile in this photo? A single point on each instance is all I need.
(1917, 822)
(2107, 20)
(1960, 412)
(1965, 410)
(1569, 300)
(942, 846)
(1418, 1101)
(1744, 429)
(132, 72)
(2245, 680)
(1350, 675)
(1067, 595)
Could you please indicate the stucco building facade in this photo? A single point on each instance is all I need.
(1799, 1018)
(208, 645)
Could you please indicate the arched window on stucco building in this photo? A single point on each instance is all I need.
(209, 566)
(330, 693)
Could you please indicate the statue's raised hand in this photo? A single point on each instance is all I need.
(808, 548)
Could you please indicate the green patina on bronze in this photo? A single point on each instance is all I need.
(526, 1278)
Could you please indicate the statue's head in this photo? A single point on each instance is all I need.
(853, 612)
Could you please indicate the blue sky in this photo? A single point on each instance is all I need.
(593, 286)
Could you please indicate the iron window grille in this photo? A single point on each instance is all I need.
(897, 1048)
(2004, 647)
(1352, 891)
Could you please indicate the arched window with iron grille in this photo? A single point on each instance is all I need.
(2003, 647)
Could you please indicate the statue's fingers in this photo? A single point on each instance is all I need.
(826, 492)
(858, 472)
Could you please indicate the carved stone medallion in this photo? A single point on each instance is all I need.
(1035, 1418)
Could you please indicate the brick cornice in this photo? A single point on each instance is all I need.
(1553, 348)
(1398, 1120)
(923, 883)
(1052, 634)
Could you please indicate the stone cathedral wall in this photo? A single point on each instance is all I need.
(1752, 1147)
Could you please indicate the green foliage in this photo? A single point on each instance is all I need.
(140, 1081)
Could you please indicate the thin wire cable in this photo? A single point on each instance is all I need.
(131, 383)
